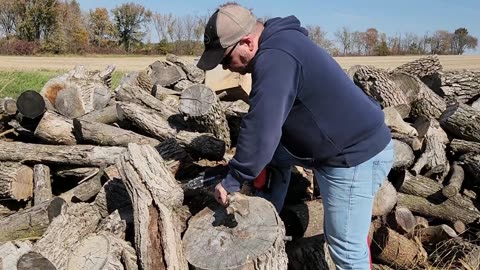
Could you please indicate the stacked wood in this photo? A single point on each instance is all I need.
(428, 69)
(461, 85)
(16, 181)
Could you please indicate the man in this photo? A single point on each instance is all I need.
(304, 110)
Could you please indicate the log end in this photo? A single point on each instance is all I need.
(22, 188)
(34, 261)
(31, 104)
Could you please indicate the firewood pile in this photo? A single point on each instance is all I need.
(98, 178)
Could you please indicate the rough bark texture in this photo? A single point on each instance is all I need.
(85, 155)
(435, 234)
(16, 181)
(77, 173)
(471, 164)
(455, 182)
(461, 85)
(165, 73)
(107, 115)
(66, 231)
(428, 103)
(42, 184)
(10, 252)
(8, 108)
(428, 69)
(408, 84)
(103, 134)
(194, 74)
(30, 223)
(84, 191)
(461, 146)
(34, 261)
(155, 195)
(235, 111)
(204, 112)
(55, 129)
(463, 121)
(414, 142)
(253, 240)
(402, 220)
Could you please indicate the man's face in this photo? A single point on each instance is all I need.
(234, 60)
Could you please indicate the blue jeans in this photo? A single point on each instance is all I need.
(347, 195)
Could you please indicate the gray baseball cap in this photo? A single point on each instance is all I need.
(224, 28)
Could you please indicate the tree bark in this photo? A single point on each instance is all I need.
(213, 236)
(402, 220)
(55, 129)
(428, 103)
(427, 69)
(471, 164)
(412, 141)
(34, 261)
(462, 86)
(103, 134)
(194, 74)
(83, 155)
(462, 121)
(32, 222)
(107, 115)
(84, 191)
(155, 194)
(462, 147)
(309, 254)
(455, 183)
(77, 173)
(435, 234)
(8, 108)
(165, 73)
(204, 112)
(42, 184)
(16, 181)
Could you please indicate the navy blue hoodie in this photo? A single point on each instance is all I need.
(302, 98)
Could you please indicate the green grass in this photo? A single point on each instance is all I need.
(13, 83)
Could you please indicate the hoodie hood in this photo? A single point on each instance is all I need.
(275, 25)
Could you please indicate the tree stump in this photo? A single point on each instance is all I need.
(216, 240)
(54, 128)
(155, 195)
(462, 121)
(42, 184)
(16, 181)
(204, 112)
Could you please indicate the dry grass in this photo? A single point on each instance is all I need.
(135, 63)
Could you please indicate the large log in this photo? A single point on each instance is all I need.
(42, 184)
(428, 69)
(155, 195)
(462, 147)
(103, 134)
(76, 173)
(428, 103)
(204, 112)
(8, 108)
(384, 200)
(30, 223)
(165, 73)
(31, 104)
(54, 128)
(66, 231)
(107, 115)
(455, 182)
(83, 155)
(461, 85)
(402, 220)
(462, 121)
(84, 191)
(10, 252)
(255, 236)
(16, 181)
(471, 164)
(235, 111)
(34, 261)
(404, 156)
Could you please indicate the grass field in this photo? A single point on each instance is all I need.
(19, 73)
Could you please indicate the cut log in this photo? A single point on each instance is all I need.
(139, 79)
(404, 156)
(435, 234)
(31, 104)
(83, 155)
(8, 108)
(421, 222)
(66, 231)
(55, 129)
(459, 227)
(462, 121)
(461, 147)
(176, 158)
(428, 103)
(30, 223)
(194, 74)
(408, 85)
(42, 184)
(34, 261)
(476, 104)
(447, 210)
(461, 85)
(182, 85)
(434, 158)
(402, 220)
(256, 237)
(455, 182)
(77, 173)
(385, 199)
(235, 111)
(412, 141)
(155, 194)
(204, 112)
(198, 144)
(107, 115)
(396, 250)
(165, 73)
(471, 164)
(103, 134)
(379, 85)
(428, 69)
(85, 191)
(78, 91)
(309, 254)
(101, 252)
(303, 220)
(16, 181)
(10, 252)
(396, 124)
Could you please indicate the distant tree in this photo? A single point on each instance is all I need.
(462, 41)
(130, 18)
(394, 46)
(382, 47)
(72, 23)
(344, 37)
(8, 17)
(358, 42)
(100, 26)
(38, 18)
(162, 23)
(371, 40)
(317, 35)
(440, 42)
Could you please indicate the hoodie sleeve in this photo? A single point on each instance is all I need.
(276, 77)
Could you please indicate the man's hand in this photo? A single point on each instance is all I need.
(221, 195)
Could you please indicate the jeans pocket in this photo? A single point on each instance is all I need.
(380, 172)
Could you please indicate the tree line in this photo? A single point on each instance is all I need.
(29, 27)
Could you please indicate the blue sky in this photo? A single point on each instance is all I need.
(389, 17)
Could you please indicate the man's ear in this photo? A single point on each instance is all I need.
(249, 41)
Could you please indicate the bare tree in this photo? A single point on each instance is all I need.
(317, 35)
(371, 40)
(8, 17)
(163, 24)
(344, 37)
(358, 42)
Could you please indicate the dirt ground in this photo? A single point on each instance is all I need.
(127, 63)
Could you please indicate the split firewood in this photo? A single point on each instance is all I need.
(103, 134)
(83, 155)
(462, 121)
(8, 108)
(309, 253)
(396, 250)
(434, 157)
(471, 163)
(165, 73)
(194, 74)
(304, 220)
(256, 236)
(462, 147)
(78, 91)
(155, 194)
(204, 112)
(31, 104)
(385, 199)
(404, 156)
(402, 220)
(460, 85)
(140, 79)
(107, 115)
(68, 229)
(30, 223)
(396, 124)
(42, 184)
(10, 252)
(455, 182)
(84, 191)
(428, 69)
(434, 234)
(16, 181)
(55, 129)
(34, 261)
